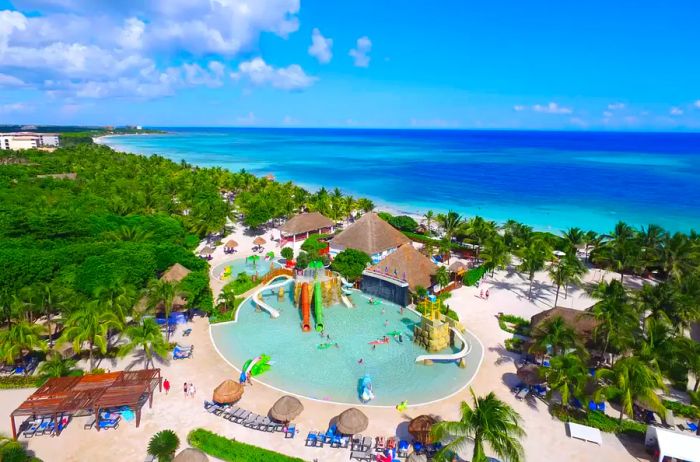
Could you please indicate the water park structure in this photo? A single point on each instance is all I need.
(326, 293)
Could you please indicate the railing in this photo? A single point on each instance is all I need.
(277, 272)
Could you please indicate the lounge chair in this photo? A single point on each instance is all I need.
(31, 431)
(187, 332)
(366, 444)
(356, 443)
(311, 439)
(692, 426)
(228, 412)
(233, 414)
(380, 444)
(43, 425)
(361, 455)
(241, 417)
(344, 442)
(266, 424)
(418, 447)
(150, 458)
(402, 450)
(290, 431)
(522, 394)
(90, 423)
(252, 421)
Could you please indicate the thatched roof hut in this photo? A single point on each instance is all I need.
(175, 273)
(231, 244)
(352, 421)
(207, 251)
(420, 428)
(306, 223)
(457, 267)
(582, 322)
(259, 241)
(286, 409)
(227, 392)
(409, 265)
(530, 374)
(369, 234)
(191, 455)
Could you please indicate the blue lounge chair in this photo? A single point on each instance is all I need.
(187, 332)
(31, 431)
(311, 439)
(402, 449)
(600, 406)
(418, 447)
(290, 431)
(693, 426)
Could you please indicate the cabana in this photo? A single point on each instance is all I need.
(370, 234)
(300, 226)
(89, 394)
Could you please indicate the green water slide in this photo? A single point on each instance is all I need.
(318, 306)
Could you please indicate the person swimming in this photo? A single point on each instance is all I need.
(361, 361)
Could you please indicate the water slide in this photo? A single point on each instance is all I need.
(257, 298)
(449, 357)
(346, 301)
(345, 282)
(305, 307)
(366, 393)
(318, 306)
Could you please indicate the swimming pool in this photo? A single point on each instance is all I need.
(243, 265)
(333, 374)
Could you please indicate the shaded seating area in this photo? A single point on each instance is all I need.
(230, 246)
(55, 403)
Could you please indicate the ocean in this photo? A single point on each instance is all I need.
(549, 180)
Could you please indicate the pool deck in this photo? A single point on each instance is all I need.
(546, 440)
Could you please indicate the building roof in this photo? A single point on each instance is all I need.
(369, 234)
(175, 273)
(582, 322)
(681, 446)
(407, 264)
(306, 222)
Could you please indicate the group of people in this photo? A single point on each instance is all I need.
(483, 294)
(189, 390)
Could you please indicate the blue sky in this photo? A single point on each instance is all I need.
(594, 65)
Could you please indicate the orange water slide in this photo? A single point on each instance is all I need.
(305, 307)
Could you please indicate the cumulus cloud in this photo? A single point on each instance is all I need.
(321, 47)
(697, 104)
(616, 106)
(259, 73)
(675, 111)
(549, 108)
(519, 108)
(88, 49)
(360, 53)
(15, 107)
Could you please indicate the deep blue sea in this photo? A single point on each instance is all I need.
(549, 180)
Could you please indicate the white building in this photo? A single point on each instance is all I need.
(49, 139)
(26, 140)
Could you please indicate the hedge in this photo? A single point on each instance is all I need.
(231, 450)
(473, 275)
(21, 381)
(600, 421)
(520, 325)
(681, 409)
(423, 239)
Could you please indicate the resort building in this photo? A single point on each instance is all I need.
(370, 234)
(582, 322)
(28, 140)
(300, 226)
(399, 274)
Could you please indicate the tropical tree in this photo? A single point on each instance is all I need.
(163, 293)
(621, 252)
(429, 218)
(227, 297)
(18, 339)
(55, 366)
(573, 238)
(495, 254)
(554, 333)
(163, 445)
(49, 301)
(365, 204)
(590, 240)
(633, 380)
(147, 337)
(90, 323)
(566, 271)
(450, 223)
(678, 256)
(533, 258)
(442, 277)
(479, 231)
(617, 322)
(567, 375)
(487, 420)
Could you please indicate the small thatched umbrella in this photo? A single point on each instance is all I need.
(228, 391)
(259, 241)
(286, 409)
(191, 455)
(231, 244)
(530, 374)
(457, 267)
(207, 251)
(420, 428)
(352, 421)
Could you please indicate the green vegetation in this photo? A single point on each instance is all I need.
(472, 276)
(351, 263)
(163, 445)
(13, 451)
(287, 253)
(514, 344)
(680, 409)
(514, 324)
(242, 284)
(21, 381)
(231, 450)
(314, 244)
(400, 222)
(599, 420)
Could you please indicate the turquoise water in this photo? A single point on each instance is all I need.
(549, 180)
(333, 374)
(242, 265)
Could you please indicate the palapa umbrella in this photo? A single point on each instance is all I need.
(231, 244)
(286, 409)
(352, 421)
(207, 251)
(259, 241)
(228, 391)
(191, 455)
(530, 374)
(420, 428)
(457, 266)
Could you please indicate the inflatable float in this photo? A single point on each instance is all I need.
(325, 346)
(255, 366)
(381, 341)
(366, 393)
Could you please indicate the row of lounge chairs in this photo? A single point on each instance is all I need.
(45, 425)
(183, 352)
(331, 436)
(31, 362)
(105, 423)
(249, 419)
(362, 450)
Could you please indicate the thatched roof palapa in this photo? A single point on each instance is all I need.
(457, 267)
(208, 250)
(191, 455)
(175, 273)
(530, 374)
(420, 428)
(408, 264)
(305, 223)
(352, 421)
(259, 241)
(582, 322)
(228, 392)
(286, 409)
(231, 244)
(369, 234)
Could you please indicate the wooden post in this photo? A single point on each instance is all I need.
(150, 400)
(138, 417)
(97, 418)
(14, 429)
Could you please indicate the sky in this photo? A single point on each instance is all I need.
(508, 64)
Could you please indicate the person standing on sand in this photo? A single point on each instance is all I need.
(481, 294)
(487, 294)
(185, 389)
(193, 390)
(166, 386)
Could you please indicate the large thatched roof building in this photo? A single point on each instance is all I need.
(370, 234)
(302, 225)
(582, 322)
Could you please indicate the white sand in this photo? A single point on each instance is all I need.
(546, 440)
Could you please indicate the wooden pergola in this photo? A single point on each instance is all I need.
(91, 394)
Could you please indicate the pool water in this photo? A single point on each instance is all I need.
(241, 265)
(333, 374)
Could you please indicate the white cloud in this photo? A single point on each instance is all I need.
(549, 108)
(10, 81)
(361, 51)
(320, 47)
(676, 111)
(132, 33)
(616, 106)
(289, 120)
(10, 21)
(697, 104)
(248, 119)
(259, 73)
(608, 114)
(15, 107)
(519, 108)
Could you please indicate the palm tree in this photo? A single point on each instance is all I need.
(555, 333)
(621, 252)
(163, 293)
(590, 239)
(652, 240)
(55, 366)
(20, 338)
(429, 217)
(146, 336)
(449, 222)
(495, 254)
(633, 380)
(487, 421)
(617, 321)
(365, 204)
(533, 258)
(442, 277)
(573, 237)
(49, 300)
(678, 256)
(568, 270)
(90, 323)
(480, 231)
(227, 296)
(163, 445)
(567, 375)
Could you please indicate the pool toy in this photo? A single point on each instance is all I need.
(375, 302)
(324, 346)
(394, 333)
(305, 307)
(226, 273)
(366, 393)
(402, 406)
(257, 365)
(318, 306)
(380, 341)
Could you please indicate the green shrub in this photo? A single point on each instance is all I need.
(229, 315)
(21, 381)
(514, 344)
(681, 409)
(287, 253)
(473, 275)
(314, 244)
(242, 284)
(599, 420)
(423, 239)
(350, 263)
(233, 451)
(519, 325)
